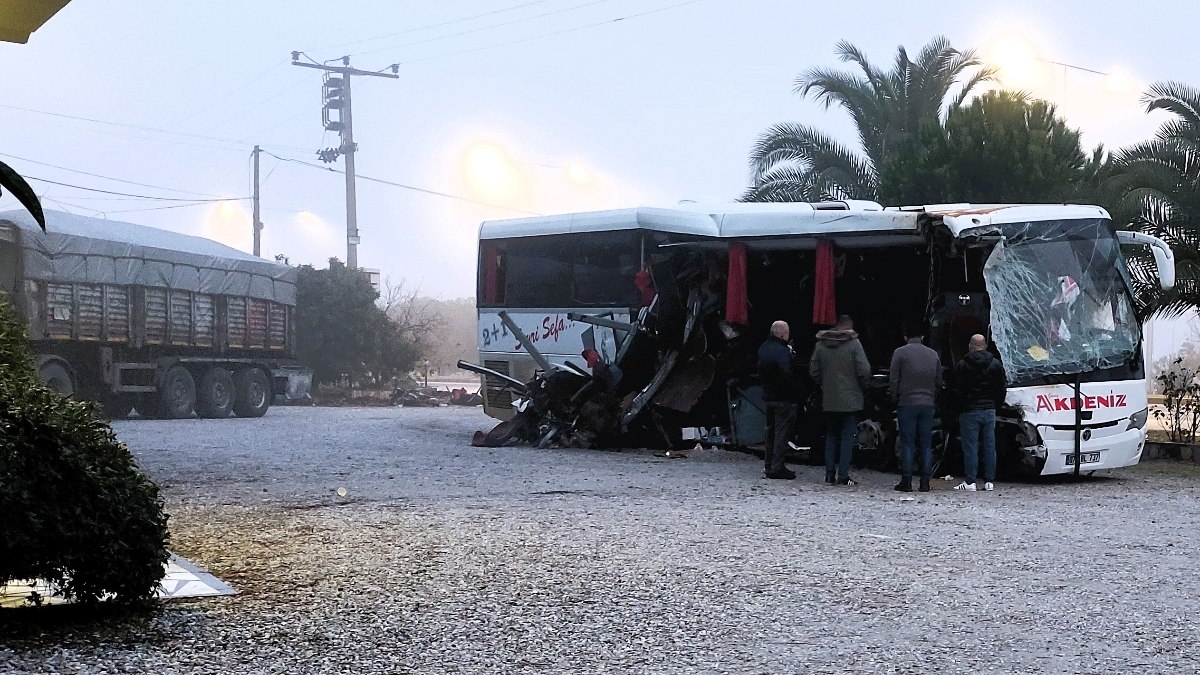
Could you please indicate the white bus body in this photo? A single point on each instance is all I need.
(1084, 337)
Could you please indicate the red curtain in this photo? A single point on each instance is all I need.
(491, 273)
(737, 309)
(644, 281)
(824, 298)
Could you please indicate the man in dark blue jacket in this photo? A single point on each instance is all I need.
(780, 393)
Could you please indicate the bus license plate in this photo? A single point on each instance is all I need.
(1084, 458)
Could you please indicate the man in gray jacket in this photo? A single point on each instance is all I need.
(913, 382)
(839, 365)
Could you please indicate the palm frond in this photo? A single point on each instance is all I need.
(792, 146)
(1175, 97)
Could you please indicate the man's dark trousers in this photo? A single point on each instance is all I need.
(841, 430)
(781, 425)
(916, 431)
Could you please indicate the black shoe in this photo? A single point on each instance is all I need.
(847, 481)
(924, 485)
(905, 485)
(829, 480)
(782, 474)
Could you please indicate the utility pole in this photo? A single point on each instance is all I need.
(257, 222)
(338, 116)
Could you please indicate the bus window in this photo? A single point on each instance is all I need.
(604, 271)
(537, 272)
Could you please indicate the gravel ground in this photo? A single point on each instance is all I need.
(447, 558)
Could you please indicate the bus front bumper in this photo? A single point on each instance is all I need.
(1097, 454)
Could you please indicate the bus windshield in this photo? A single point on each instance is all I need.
(1060, 300)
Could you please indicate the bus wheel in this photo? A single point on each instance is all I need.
(253, 393)
(216, 395)
(57, 378)
(177, 393)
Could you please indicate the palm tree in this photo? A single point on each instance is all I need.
(795, 162)
(1158, 187)
(13, 182)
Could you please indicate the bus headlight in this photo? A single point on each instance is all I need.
(1138, 419)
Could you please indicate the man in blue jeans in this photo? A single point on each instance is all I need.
(839, 365)
(979, 386)
(913, 382)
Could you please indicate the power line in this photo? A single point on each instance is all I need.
(483, 28)
(427, 27)
(403, 186)
(126, 135)
(307, 77)
(126, 194)
(554, 33)
(139, 127)
(66, 206)
(96, 175)
(164, 208)
(236, 90)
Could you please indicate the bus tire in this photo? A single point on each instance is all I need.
(177, 394)
(57, 377)
(216, 394)
(253, 392)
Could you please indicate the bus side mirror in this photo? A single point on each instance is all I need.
(1164, 257)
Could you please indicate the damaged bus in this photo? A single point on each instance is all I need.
(629, 326)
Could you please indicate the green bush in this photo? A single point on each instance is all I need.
(74, 508)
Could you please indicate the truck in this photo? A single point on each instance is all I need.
(679, 299)
(133, 317)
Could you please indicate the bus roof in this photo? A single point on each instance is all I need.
(780, 220)
(718, 221)
(963, 219)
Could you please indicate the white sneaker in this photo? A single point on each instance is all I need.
(988, 487)
(968, 487)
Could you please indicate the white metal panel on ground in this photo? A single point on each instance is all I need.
(181, 579)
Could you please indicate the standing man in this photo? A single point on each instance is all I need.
(979, 386)
(781, 395)
(913, 382)
(839, 365)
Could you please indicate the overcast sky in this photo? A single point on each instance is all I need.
(543, 107)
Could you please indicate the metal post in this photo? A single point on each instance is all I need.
(1079, 424)
(347, 147)
(257, 222)
(351, 200)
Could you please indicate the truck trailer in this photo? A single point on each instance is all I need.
(134, 317)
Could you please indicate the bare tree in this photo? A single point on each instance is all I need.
(415, 317)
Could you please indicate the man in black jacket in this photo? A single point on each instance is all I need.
(979, 386)
(780, 393)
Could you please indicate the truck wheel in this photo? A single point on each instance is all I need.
(57, 378)
(216, 395)
(253, 393)
(177, 393)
